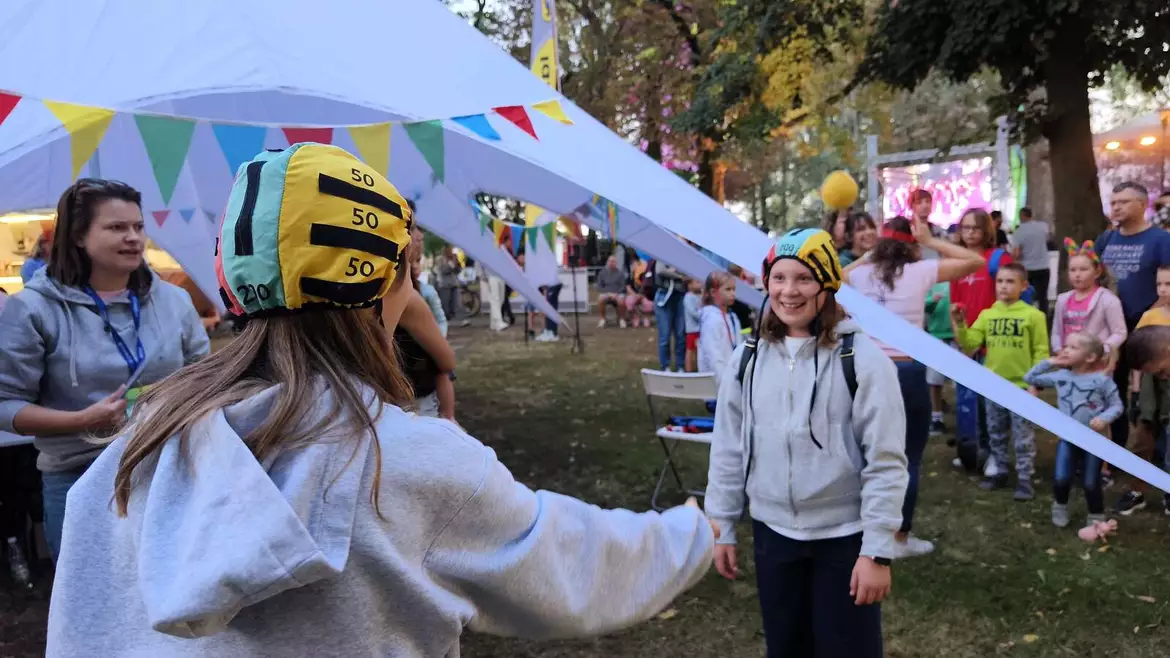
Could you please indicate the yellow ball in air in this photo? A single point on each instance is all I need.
(839, 190)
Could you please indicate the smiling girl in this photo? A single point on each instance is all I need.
(820, 467)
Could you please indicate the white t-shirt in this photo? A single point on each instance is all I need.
(908, 297)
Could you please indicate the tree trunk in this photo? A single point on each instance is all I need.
(1039, 167)
(1076, 195)
(706, 170)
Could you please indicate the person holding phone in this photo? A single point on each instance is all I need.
(91, 325)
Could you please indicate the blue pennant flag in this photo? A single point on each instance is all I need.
(478, 124)
(239, 143)
(187, 214)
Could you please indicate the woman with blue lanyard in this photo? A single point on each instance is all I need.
(86, 333)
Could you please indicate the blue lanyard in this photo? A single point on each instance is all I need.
(133, 359)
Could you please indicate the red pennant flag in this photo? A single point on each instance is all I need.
(319, 135)
(517, 115)
(7, 102)
(160, 216)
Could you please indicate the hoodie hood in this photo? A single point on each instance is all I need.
(204, 554)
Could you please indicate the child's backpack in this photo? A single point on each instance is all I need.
(1029, 294)
(647, 285)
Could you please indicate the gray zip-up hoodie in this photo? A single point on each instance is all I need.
(55, 352)
(221, 555)
(854, 483)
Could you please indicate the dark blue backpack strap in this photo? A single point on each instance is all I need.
(848, 365)
(749, 350)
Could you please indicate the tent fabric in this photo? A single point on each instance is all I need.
(290, 62)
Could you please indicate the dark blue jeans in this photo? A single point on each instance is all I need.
(1068, 457)
(916, 402)
(805, 602)
(671, 320)
(552, 294)
(54, 487)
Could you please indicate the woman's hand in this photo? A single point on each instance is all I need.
(870, 582)
(106, 413)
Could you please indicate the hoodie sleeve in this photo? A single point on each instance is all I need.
(971, 338)
(725, 495)
(1058, 322)
(542, 565)
(22, 360)
(879, 422)
(1114, 321)
(714, 346)
(1113, 406)
(196, 345)
(1039, 337)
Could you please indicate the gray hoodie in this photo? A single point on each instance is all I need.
(854, 483)
(55, 352)
(222, 555)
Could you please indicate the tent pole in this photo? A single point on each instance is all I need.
(578, 342)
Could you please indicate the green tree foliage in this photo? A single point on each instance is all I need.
(1048, 53)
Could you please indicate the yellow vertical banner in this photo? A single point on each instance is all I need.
(86, 127)
(373, 144)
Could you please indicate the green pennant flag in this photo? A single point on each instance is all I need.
(550, 232)
(485, 220)
(531, 231)
(167, 141)
(428, 139)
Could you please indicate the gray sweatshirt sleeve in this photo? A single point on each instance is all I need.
(1042, 374)
(1114, 408)
(542, 565)
(726, 482)
(196, 345)
(879, 422)
(22, 360)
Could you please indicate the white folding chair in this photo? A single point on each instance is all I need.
(676, 386)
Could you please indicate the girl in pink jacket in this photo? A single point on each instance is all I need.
(1090, 307)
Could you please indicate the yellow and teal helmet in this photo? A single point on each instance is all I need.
(311, 226)
(814, 248)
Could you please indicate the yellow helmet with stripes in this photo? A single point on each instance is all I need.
(812, 247)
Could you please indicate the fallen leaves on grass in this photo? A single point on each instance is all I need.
(1025, 525)
(1051, 551)
(1030, 638)
(669, 613)
(1147, 599)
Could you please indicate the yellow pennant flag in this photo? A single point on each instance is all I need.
(498, 230)
(553, 110)
(373, 143)
(531, 214)
(86, 126)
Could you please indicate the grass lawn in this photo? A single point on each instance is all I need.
(1002, 582)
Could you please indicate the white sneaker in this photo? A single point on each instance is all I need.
(912, 547)
(957, 463)
(622, 324)
(601, 323)
(542, 337)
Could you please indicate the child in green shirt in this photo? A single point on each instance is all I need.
(1015, 335)
(938, 324)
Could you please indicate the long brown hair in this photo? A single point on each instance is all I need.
(344, 349)
(773, 328)
(985, 223)
(69, 264)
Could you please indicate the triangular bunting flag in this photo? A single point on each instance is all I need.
(550, 235)
(7, 103)
(239, 143)
(160, 216)
(498, 229)
(517, 238)
(517, 115)
(428, 139)
(86, 126)
(187, 214)
(319, 135)
(478, 124)
(484, 220)
(373, 144)
(167, 141)
(553, 110)
(532, 232)
(212, 216)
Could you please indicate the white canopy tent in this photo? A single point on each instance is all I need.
(296, 63)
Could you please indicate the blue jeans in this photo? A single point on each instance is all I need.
(1068, 457)
(671, 319)
(805, 602)
(916, 402)
(552, 295)
(55, 486)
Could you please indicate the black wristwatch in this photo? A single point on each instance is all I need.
(882, 561)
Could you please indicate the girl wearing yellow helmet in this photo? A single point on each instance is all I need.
(808, 438)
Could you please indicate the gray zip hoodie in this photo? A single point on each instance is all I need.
(222, 555)
(55, 352)
(854, 483)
